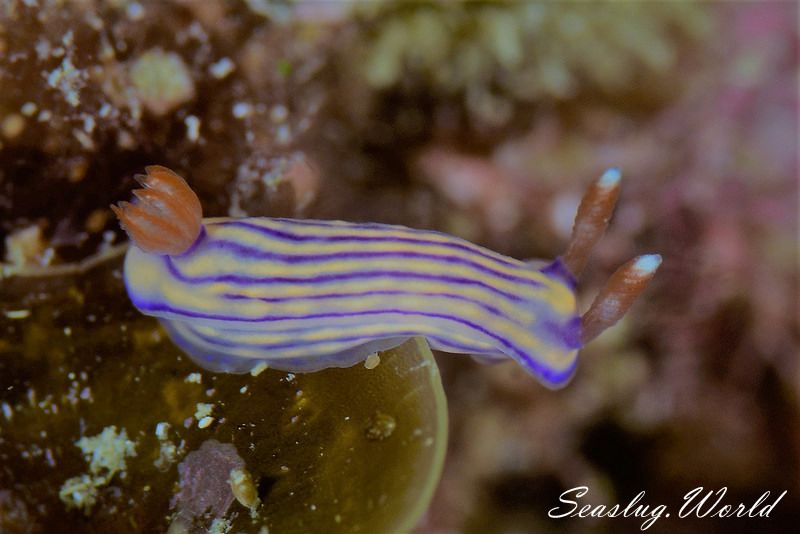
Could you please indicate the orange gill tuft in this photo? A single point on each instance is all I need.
(165, 217)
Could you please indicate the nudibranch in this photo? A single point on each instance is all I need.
(304, 295)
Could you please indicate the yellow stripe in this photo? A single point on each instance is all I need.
(520, 335)
(324, 333)
(206, 298)
(519, 328)
(266, 243)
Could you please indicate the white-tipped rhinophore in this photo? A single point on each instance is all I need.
(592, 219)
(628, 281)
(610, 178)
(617, 296)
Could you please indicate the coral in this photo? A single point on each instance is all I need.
(162, 80)
(494, 56)
(93, 91)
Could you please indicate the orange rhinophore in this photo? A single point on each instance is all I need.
(592, 219)
(165, 217)
(628, 281)
(616, 297)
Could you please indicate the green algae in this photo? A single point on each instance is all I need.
(340, 450)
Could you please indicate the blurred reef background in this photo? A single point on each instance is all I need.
(484, 120)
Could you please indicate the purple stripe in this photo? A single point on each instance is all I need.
(558, 271)
(291, 259)
(523, 357)
(320, 223)
(452, 346)
(452, 243)
(546, 327)
(388, 293)
(566, 334)
(221, 341)
(403, 275)
(201, 237)
(550, 375)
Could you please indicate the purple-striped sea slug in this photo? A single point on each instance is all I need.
(303, 295)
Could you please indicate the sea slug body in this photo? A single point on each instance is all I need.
(304, 295)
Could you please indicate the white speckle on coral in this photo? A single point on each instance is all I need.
(95, 22)
(135, 11)
(193, 378)
(42, 48)
(67, 79)
(28, 109)
(162, 429)
(105, 110)
(192, 128)
(278, 113)
(205, 422)
(88, 124)
(203, 409)
(48, 454)
(83, 139)
(197, 32)
(242, 110)
(283, 134)
(221, 68)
